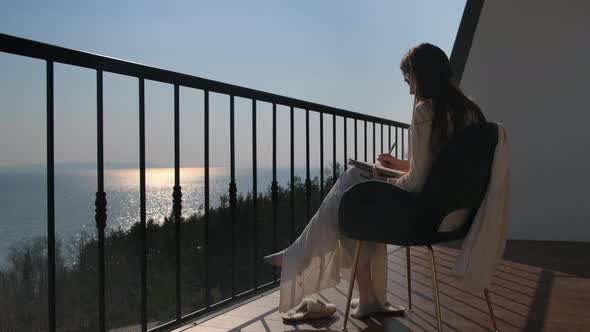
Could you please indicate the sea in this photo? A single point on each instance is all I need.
(23, 198)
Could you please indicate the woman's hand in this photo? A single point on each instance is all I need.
(389, 161)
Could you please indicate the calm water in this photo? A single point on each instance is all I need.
(23, 206)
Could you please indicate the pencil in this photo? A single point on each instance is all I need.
(392, 147)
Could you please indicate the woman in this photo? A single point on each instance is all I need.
(313, 262)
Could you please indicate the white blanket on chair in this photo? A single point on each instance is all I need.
(486, 240)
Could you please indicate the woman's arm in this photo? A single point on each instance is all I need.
(417, 164)
(392, 162)
(419, 155)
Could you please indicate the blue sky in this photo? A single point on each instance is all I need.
(339, 53)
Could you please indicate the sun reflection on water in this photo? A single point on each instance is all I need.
(122, 188)
(160, 177)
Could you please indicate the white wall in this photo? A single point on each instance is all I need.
(529, 68)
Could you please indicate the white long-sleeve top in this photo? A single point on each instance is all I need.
(419, 151)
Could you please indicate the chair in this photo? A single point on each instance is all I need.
(458, 179)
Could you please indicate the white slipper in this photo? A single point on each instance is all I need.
(309, 309)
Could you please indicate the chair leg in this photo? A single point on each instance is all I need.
(487, 294)
(409, 278)
(435, 288)
(355, 262)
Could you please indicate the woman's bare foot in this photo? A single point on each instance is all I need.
(362, 310)
(275, 259)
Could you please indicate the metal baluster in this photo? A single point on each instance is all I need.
(356, 157)
(365, 140)
(381, 138)
(100, 203)
(207, 194)
(142, 206)
(50, 201)
(374, 143)
(254, 194)
(396, 146)
(345, 144)
(292, 174)
(307, 179)
(333, 148)
(177, 197)
(274, 186)
(232, 193)
(322, 155)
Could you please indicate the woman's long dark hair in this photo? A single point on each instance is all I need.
(431, 72)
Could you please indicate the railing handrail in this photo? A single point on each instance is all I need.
(39, 50)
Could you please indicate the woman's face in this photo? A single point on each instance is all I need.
(408, 79)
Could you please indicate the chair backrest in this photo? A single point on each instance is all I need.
(460, 173)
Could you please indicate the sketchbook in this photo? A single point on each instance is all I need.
(381, 171)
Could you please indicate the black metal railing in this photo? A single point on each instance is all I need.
(53, 54)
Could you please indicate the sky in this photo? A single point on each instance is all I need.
(339, 53)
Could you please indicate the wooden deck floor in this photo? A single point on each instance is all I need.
(539, 286)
